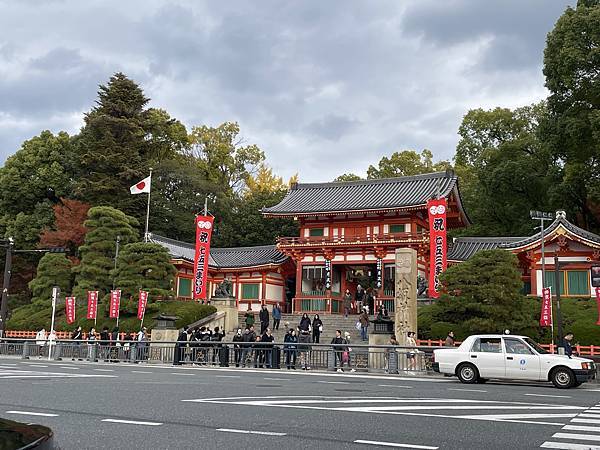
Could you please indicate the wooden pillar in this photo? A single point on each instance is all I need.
(263, 289)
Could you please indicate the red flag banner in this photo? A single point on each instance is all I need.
(92, 309)
(142, 304)
(204, 225)
(546, 312)
(598, 304)
(437, 244)
(70, 309)
(115, 300)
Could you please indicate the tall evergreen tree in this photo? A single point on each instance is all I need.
(144, 266)
(54, 269)
(572, 67)
(104, 225)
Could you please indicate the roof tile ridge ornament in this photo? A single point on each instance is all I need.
(448, 173)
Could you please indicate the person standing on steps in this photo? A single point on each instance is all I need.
(317, 329)
(360, 296)
(364, 325)
(264, 319)
(276, 316)
(347, 303)
(249, 318)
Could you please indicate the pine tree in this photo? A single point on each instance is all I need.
(111, 146)
(54, 269)
(104, 225)
(144, 266)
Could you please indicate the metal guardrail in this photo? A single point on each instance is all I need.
(300, 355)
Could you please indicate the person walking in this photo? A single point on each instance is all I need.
(91, 340)
(142, 343)
(179, 346)
(248, 338)
(276, 316)
(264, 319)
(449, 339)
(216, 337)
(317, 329)
(76, 336)
(339, 347)
(349, 351)
(347, 303)
(566, 344)
(258, 353)
(364, 325)
(104, 343)
(412, 354)
(40, 341)
(237, 348)
(290, 340)
(249, 318)
(360, 296)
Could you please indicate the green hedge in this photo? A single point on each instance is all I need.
(39, 314)
(579, 317)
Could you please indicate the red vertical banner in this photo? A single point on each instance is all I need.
(437, 244)
(92, 309)
(143, 301)
(115, 301)
(204, 225)
(546, 312)
(598, 304)
(70, 309)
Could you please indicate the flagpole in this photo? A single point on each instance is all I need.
(148, 208)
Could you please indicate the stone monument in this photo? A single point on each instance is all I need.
(406, 293)
(224, 301)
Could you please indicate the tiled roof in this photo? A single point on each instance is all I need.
(464, 247)
(235, 257)
(561, 220)
(365, 195)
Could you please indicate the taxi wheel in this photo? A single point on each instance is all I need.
(467, 373)
(563, 378)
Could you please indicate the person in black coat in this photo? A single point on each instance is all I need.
(264, 319)
(317, 326)
(290, 346)
(237, 348)
(267, 349)
(181, 342)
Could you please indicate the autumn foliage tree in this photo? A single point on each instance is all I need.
(69, 229)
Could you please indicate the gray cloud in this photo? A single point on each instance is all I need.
(323, 87)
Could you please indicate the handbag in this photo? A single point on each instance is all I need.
(358, 325)
(321, 328)
(345, 357)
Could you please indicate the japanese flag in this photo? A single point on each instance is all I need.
(141, 187)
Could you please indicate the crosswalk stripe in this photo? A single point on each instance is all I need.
(581, 428)
(569, 446)
(583, 437)
(578, 420)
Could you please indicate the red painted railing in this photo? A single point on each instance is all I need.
(357, 239)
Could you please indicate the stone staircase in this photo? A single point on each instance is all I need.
(331, 322)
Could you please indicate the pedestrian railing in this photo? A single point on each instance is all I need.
(295, 356)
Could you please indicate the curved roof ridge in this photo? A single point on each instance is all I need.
(405, 178)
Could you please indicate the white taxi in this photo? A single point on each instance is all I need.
(481, 357)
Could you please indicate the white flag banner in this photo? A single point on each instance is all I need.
(142, 187)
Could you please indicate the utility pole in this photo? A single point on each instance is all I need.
(542, 216)
(6, 284)
(558, 314)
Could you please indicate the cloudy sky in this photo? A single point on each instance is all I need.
(323, 87)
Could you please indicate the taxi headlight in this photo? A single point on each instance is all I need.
(585, 365)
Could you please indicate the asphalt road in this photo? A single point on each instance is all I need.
(90, 406)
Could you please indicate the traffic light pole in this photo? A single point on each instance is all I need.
(557, 288)
(5, 285)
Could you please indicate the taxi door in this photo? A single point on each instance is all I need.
(521, 362)
(488, 356)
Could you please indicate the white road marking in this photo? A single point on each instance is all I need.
(583, 437)
(569, 446)
(183, 374)
(276, 379)
(395, 385)
(394, 444)
(581, 428)
(544, 395)
(30, 413)
(228, 376)
(265, 433)
(578, 420)
(333, 382)
(132, 422)
(104, 370)
(140, 371)
(69, 367)
(466, 390)
(587, 415)
(37, 365)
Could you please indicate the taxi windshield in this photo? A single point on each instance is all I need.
(535, 346)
